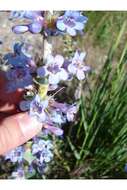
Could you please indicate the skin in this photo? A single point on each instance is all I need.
(15, 128)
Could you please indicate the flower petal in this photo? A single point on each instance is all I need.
(68, 13)
(75, 14)
(55, 130)
(80, 74)
(72, 69)
(54, 79)
(35, 27)
(86, 68)
(82, 19)
(42, 116)
(79, 26)
(82, 56)
(41, 71)
(35, 149)
(32, 14)
(76, 56)
(50, 60)
(71, 31)
(60, 25)
(20, 29)
(63, 74)
(59, 60)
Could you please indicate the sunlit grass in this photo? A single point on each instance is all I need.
(96, 147)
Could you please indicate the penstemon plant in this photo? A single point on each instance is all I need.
(42, 83)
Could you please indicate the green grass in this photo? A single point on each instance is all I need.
(96, 146)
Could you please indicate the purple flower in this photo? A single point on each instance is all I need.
(71, 22)
(72, 110)
(55, 130)
(53, 69)
(15, 155)
(20, 29)
(68, 110)
(57, 117)
(32, 14)
(40, 145)
(42, 150)
(18, 78)
(20, 57)
(45, 156)
(35, 26)
(77, 67)
(37, 108)
(43, 111)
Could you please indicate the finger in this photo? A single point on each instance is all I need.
(16, 130)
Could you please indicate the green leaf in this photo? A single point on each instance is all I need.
(75, 152)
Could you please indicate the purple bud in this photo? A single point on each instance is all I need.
(57, 131)
(20, 29)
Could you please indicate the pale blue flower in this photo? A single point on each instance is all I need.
(45, 156)
(53, 69)
(77, 66)
(37, 108)
(43, 111)
(36, 26)
(72, 110)
(43, 151)
(71, 22)
(57, 117)
(41, 145)
(15, 155)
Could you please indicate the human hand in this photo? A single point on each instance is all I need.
(15, 128)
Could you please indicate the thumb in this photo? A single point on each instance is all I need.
(16, 130)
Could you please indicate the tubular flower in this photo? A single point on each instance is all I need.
(53, 69)
(77, 67)
(36, 24)
(71, 22)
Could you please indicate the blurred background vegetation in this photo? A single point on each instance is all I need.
(96, 146)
